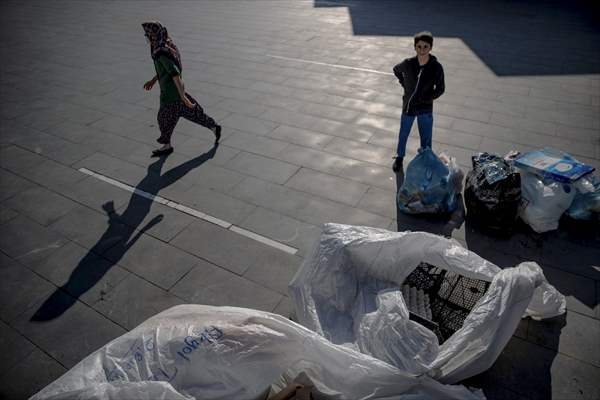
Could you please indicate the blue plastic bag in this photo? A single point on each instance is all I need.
(430, 185)
(586, 204)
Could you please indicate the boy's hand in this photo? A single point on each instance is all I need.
(148, 85)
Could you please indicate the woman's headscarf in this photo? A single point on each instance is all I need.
(161, 44)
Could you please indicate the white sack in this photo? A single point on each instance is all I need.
(348, 290)
(544, 201)
(227, 353)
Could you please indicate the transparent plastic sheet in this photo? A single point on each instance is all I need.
(204, 352)
(430, 185)
(348, 290)
(492, 192)
(544, 201)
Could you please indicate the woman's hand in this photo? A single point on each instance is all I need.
(148, 85)
(187, 102)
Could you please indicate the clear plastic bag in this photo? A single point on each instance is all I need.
(586, 204)
(349, 290)
(218, 353)
(544, 201)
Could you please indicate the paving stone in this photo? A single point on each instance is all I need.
(360, 151)
(275, 276)
(285, 308)
(578, 290)
(375, 175)
(65, 328)
(99, 233)
(576, 336)
(21, 383)
(51, 174)
(74, 132)
(41, 205)
(195, 146)
(79, 272)
(330, 112)
(249, 124)
(378, 201)
(93, 193)
(14, 348)
(20, 289)
(6, 214)
(155, 219)
(328, 186)
(282, 229)
(355, 132)
(152, 259)
(300, 136)
(315, 159)
(211, 285)
(290, 118)
(266, 168)
(224, 248)
(12, 184)
(242, 107)
(255, 144)
(216, 204)
(113, 168)
(18, 160)
(133, 301)
(27, 241)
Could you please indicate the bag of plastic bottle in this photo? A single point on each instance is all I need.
(586, 204)
(430, 184)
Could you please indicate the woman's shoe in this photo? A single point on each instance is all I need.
(162, 152)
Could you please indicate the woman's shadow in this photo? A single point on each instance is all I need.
(119, 237)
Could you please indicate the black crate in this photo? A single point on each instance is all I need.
(451, 298)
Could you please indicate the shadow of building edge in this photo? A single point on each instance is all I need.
(545, 56)
(118, 238)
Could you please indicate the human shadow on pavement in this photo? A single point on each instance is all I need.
(443, 224)
(120, 235)
(523, 369)
(512, 38)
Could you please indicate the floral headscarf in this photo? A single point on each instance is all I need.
(162, 43)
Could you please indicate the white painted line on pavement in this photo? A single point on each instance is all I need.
(192, 212)
(374, 71)
(263, 239)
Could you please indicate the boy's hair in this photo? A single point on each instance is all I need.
(425, 36)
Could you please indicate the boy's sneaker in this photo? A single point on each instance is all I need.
(397, 166)
(217, 133)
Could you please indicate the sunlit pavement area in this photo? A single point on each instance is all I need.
(310, 114)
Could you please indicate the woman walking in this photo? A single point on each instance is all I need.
(174, 101)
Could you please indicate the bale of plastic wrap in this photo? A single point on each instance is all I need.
(492, 192)
(431, 184)
(209, 353)
(348, 289)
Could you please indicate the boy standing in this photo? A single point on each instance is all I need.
(422, 78)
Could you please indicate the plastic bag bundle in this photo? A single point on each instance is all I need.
(586, 204)
(349, 289)
(430, 185)
(209, 353)
(544, 201)
(492, 192)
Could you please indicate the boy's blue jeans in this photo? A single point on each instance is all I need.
(425, 124)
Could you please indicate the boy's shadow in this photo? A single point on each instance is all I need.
(119, 237)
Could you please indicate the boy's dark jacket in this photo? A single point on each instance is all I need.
(419, 98)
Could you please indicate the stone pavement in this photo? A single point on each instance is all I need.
(306, 140)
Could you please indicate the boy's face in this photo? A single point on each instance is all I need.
(422, 48)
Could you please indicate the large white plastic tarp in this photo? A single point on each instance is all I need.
(227, 353)
(348, 290)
